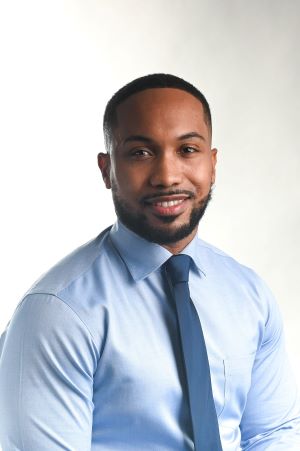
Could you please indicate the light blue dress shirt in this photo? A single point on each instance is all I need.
(91, 361)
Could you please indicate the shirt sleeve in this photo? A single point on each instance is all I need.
(46, 378)
(271, 420)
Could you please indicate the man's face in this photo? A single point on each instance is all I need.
(162, 166)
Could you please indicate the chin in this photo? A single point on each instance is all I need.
(162, 229)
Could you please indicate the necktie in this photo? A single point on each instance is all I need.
(202, 407)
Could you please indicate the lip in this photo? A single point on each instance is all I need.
(168, 205)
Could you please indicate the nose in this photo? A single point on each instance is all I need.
(167, 171)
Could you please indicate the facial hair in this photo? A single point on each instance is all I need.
(138, 222)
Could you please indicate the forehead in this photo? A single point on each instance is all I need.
(160, 109)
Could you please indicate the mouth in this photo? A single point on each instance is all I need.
(168, 205)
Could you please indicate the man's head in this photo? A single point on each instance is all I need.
(140, 84)
(159, 165)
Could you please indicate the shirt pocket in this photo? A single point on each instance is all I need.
(218, 382)
(237, 371)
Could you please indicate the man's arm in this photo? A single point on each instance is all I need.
(271, 420)
(46, 378)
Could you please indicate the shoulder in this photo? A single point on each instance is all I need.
(229, 272)
(72, 267)
(214, 257)
(66, 293)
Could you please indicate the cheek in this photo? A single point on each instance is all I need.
(129, 179)
(201, 177)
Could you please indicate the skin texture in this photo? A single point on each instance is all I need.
(161, 152)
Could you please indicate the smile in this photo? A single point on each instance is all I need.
(169, 203)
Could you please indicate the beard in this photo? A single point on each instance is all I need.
(139, 224)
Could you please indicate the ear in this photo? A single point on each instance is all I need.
(104, 166)
(214, 162)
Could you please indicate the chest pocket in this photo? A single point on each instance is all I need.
(231, 381)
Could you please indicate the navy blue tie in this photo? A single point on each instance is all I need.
(202, 407)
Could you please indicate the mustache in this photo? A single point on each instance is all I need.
(168, 193)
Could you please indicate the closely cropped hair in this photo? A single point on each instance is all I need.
(141, 84)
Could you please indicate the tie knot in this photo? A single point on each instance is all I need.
(178, 267)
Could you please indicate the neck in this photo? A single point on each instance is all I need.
(176, 248)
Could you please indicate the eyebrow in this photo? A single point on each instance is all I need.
(191, 135)
(137, 138)
(149, 140)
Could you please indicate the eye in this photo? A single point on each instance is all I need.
(140, 153)
(189, 150)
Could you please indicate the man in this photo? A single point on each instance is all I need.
(95, 356)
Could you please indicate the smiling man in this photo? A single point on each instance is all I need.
(147, 338)
(161, 166)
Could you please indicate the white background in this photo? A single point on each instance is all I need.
(60, 63)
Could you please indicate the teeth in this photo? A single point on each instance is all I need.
(170, 203)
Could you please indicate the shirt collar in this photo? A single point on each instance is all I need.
(141, 256)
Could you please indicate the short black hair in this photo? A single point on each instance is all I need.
(141, 84)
